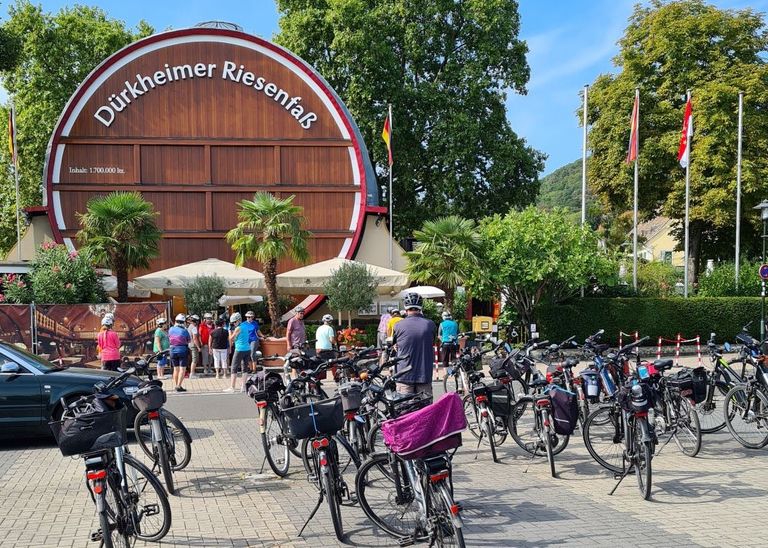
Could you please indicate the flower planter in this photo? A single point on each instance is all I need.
(271, 346)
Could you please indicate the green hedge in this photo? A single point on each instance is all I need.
(649, 316)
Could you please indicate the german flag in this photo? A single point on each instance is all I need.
(386, 134)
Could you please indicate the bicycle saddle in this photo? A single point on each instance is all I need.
(107, 441)
(663, 365)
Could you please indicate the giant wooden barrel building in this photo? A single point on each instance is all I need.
(199, 119)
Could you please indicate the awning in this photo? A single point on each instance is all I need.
(238, 281)
(311, 279)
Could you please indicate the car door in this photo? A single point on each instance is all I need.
(21, 395)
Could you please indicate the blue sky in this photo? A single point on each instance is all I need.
(570, 43)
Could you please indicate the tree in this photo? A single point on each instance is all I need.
(445, 67)
(530, 257)
(55, 54)
(445, 254)
(269, 229)
(120, 229)
(721, 282)
(350, 287)
(203, 294)
(666, 49)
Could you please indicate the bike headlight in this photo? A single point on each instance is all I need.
(130, 390)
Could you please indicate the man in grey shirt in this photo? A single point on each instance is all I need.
(414, 337)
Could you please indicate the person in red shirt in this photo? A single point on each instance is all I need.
(205, 331)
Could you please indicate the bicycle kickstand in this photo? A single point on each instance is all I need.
(530, 460)
(262, 464)
(479, 441)
(623, 475)
(312, 514)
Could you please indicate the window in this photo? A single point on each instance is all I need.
(666, 256)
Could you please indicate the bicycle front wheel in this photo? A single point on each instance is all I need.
(642, 459)
(275, 442)
(711, 415)
(182, 448)
(448, 527)
(746, 416)
(687, 433)
(152, 513)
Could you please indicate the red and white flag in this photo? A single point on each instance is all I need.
(634, 141)
(684, 151)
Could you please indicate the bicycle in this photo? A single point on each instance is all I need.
(746, 404)
(159, 433)
(407, 491)
(127, 495)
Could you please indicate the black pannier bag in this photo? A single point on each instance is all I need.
(264, 386)
(692, 383)
(498, 369)
(149, 397)
(565, 410)
(82, 434)
(309, 419)
(501, 401)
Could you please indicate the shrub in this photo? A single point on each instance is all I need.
(657, 279)
(203, 294)
(652, 317)
(721, 282)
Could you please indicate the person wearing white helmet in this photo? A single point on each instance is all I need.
(325, 338)
(179, 338)
(254, 335)
(109, 344)
(160, 343)
(447, 332)
(414, 337)
(206, 356)
(242, 355)
(193, 321)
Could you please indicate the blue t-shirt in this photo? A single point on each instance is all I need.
(179, 338)
(252, 328)
(448, 329)
(242, 344)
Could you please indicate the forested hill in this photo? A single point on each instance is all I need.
(562, 188)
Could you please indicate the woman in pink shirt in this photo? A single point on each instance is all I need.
(109, 345)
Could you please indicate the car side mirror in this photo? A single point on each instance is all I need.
(10, 368)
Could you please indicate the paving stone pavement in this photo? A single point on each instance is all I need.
(227, 499)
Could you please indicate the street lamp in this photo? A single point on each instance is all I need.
(763, 207)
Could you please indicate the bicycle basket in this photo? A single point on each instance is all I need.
(320, 417)
(264, 386)
(501, 402)
(351, 396)
(149, 398)
(420, 401)
(90, 432)
(434, 429)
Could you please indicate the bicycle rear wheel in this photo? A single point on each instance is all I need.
(396, 512)
(603, 438)
(347, 461)
(275, 442)
(642, 459)
(747, 416)
(448, 530)
(490, 431)
(112, 534)
(165, 466)
(152, 512)
(329, 488)
(548, 444)
(182, 448)
(522, 427)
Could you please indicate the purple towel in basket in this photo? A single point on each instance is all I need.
(410, 433)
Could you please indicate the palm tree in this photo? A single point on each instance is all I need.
(445, 253)
(270, 229)
(121, 231)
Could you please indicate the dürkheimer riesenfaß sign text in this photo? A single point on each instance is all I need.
(230, 71)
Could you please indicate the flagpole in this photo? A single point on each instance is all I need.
(634, 218)
(16, 181)
(391, 218)
(738, 190)
(584, 160)
(687, 204)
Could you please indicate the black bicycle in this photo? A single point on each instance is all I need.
(129, 499)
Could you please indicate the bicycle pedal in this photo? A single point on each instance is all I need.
(406, 541)
(97, 536)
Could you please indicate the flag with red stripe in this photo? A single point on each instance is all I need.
(634, 136)
(386, 134)
(12, 136)
(684, 151)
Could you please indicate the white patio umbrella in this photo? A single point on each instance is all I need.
(109, 283)
(310, 279)
(238, 281)
(232, 300)
(426, 291)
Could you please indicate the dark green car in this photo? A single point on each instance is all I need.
(31, 390)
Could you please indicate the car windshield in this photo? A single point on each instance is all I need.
(31, 359)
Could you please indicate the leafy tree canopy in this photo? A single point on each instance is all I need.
(203, 294)
(350, 288)
(533, 256)
(445, 66)
(667, 48)
(57, 51)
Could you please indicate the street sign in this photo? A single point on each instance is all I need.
(764, 271)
